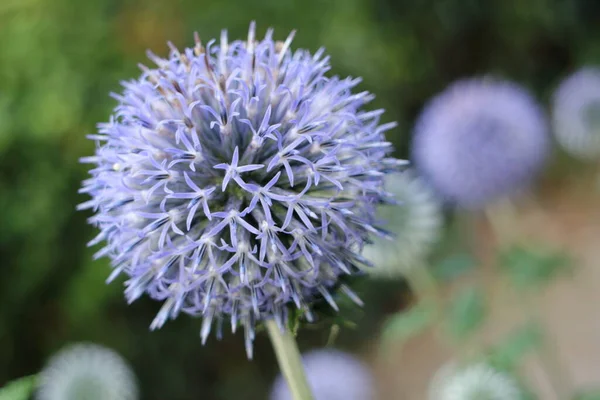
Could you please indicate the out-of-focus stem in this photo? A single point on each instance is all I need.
(423, 284)
(503, 220)
(426, 290)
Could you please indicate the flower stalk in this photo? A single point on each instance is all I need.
(290, 362)
(502, 218)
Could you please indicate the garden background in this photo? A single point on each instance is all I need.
(60, 59)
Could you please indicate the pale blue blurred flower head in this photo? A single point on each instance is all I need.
(416, 222)
(479, 140)
(87, 371)
(332, 375)
(473, 382)
(576, 113)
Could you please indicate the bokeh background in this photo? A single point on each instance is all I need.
(59, 59)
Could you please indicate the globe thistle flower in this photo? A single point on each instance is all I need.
(87, 371)
(237, 180)
(576, 113)
(473, 382)
(480, 139)
(331, 375)
(416, 224)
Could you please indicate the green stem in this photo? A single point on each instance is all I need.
(502, 216)
(424, 287)
(552, 362)
(426, 290)
(290, 362)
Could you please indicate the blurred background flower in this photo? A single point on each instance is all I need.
(332, 375)
(473, 382)
(480, 139)
(576, 113)
(416, 223)
(87, 371)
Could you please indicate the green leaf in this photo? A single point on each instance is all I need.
(533, 268)
(591, 395)
(453, 266)
(508, 353)
(403, 326)
(466, 313)
(20, 389)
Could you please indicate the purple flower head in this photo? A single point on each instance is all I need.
(236, 180)
(576, 113)
(480, 139)
(331, 375)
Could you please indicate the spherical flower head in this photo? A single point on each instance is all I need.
(87, 371)
(237, 180)
(473, 382)
(576, 114)
(479, 140)
(415, 221)
(331, 375)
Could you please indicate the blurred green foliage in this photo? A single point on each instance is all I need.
(508, 353)
(59, 59)
(531, 268)
(20, 389)
(453, 266)
(466, 313)
(593, 395)
(405, 325)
